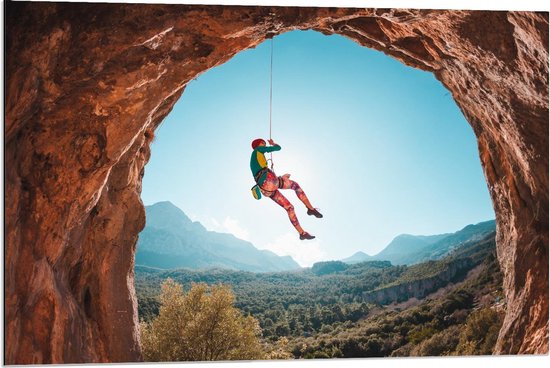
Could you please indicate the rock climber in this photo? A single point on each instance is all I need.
(270, 184)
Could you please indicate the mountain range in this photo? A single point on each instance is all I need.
(171, 240)
(410, 249)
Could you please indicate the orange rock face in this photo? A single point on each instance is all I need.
(87, 84)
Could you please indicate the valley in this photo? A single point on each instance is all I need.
(371, 308)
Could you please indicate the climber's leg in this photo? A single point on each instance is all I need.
(289, 208)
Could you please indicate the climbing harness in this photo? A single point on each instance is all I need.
(260, 178)
(260, 175)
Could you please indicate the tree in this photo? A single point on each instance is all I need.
(280, 351)
(441, 343)
(325, 268)
(199, 326)
(480, 334)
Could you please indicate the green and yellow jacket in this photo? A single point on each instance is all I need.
(258, 161)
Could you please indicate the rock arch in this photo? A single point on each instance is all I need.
(86, 85)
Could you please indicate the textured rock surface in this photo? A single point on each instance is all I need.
(419, 289)
(86, 85)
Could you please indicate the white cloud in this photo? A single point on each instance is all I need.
(232, 226)
(212, 224)
(228, 225)
(305, 252)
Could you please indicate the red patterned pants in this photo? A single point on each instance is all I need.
(270, 188)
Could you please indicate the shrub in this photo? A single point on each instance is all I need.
(198, 326)
(442, 343)
(326, 329)
(403, 351)
(280, 351)
(420, 333)
(480, 334)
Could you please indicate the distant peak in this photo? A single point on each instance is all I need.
(404, 236)
(357, 257)
(488, 223)
(166, 211)
(163, 204)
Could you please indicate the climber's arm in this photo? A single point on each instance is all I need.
(264, 149)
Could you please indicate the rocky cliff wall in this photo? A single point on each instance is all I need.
(418, 289)
(87, 84)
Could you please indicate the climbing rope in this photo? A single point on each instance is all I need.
(271, 98)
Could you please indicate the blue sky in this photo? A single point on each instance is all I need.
(381, 148)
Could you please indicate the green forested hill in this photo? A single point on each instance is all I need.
(331, 297)
(461, 320)
(260, 293)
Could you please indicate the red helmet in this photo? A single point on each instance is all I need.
(256, 142)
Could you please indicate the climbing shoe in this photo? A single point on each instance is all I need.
(306, 235)
(314, 212)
